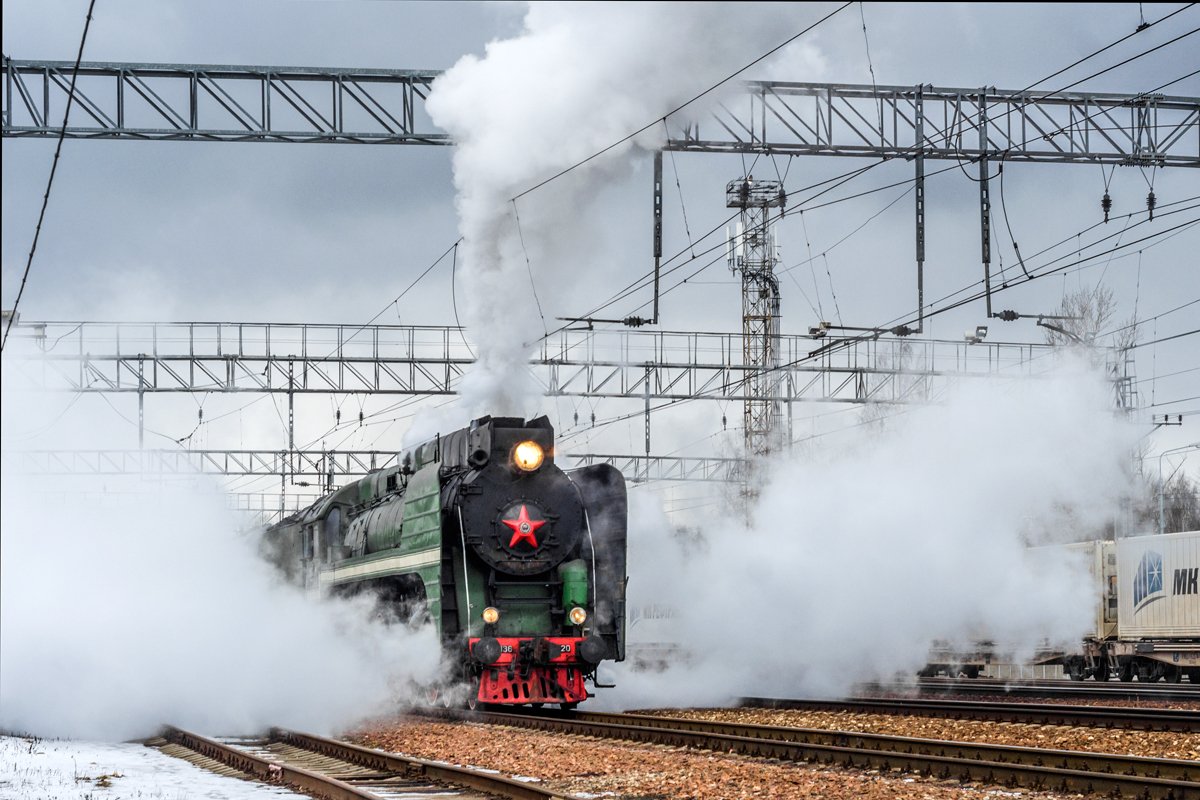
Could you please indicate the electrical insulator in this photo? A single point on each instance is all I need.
(337, 416)
(200, 413)
(1106, 205)
(576, 417)
(724, 422)
(593, 419)
(360, 419)
(1151, 200)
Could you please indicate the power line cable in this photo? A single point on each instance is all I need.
(1151, 319)
(1173, 402)
(682, 106)
(1168, 375)
(850, 340)
(682, 205)
(529, 266)
(62, 135)
(943, 131)
(1163, 339)
(396, 300)
(870, 64)
(644, 280)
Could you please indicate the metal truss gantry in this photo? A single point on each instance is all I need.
(317, 468)
(301, 359)
(221, 103)
(387, 106)
(296, 359)
(956, 124)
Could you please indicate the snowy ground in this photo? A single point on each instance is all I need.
(57, 769)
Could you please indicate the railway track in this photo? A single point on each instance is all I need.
(336, 770)
(1147, 719)
(1061, 770)
(1046, 688)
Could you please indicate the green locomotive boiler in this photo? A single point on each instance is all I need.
(520, 565)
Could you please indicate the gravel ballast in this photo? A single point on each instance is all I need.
(589, 767)
(1153, 744)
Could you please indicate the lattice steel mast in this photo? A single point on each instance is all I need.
(753, 253)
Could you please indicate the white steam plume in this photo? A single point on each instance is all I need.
(120, 612)
(579, 77)
(858, 559)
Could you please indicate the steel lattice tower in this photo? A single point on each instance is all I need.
(753, 253)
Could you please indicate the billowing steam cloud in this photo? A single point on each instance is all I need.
(858, 558)
(578, 78)
(124, 606)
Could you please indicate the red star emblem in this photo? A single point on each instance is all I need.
(524, 528)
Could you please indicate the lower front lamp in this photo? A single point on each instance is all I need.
(486, 650)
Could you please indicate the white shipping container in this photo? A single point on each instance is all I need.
(1159, 590)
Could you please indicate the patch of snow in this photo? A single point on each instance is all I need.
(483, 769)
(62, 769)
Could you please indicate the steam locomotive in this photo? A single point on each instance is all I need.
(518, 564)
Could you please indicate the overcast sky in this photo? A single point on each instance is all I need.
(329, 233)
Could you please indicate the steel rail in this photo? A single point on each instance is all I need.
(1052, 688)
(1149, 719)
(1065, 759)
(266, 771)
(442, 773)
(325, 786)
(1061, 770)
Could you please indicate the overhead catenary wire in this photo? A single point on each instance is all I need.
(1163, 339)
(62, 134)
(453, 248)
(1174, 402)
(1079, 258)
(942, 132)
(687, 229)
(1042, 80)
(1151, 319)
(689, 236)
(528, 266)
(1169, 375)
(644, 280)
(683, 105)
(846, 342)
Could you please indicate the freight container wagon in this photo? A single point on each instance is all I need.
(1158, 628)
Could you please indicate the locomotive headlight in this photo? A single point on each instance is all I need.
(528, 456)
(491, 615)
(577, 616)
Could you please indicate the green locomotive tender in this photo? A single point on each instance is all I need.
(520, 565)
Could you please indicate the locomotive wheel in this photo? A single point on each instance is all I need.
(1102, 671)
